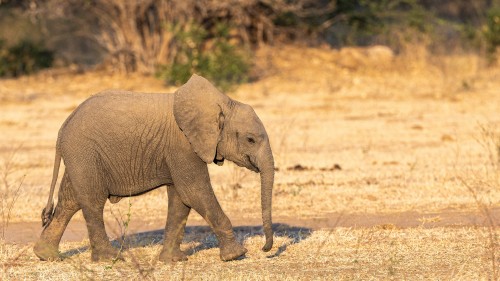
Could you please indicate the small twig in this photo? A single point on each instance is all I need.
(487, 139)
(13, 261)
(483, 208)
(123, 224)
(8, 197)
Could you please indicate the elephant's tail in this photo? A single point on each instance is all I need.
(48, 211)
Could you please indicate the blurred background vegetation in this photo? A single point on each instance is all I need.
(217, 39)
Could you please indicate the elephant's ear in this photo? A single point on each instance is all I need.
(198, 112)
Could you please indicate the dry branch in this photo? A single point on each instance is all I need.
(140, 35)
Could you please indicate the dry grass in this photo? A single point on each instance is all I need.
(483, 182)
(345, 254)
(9, 190)
(370, 140)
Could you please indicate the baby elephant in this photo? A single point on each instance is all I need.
(118, 144)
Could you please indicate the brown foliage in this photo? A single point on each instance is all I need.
(139, 35)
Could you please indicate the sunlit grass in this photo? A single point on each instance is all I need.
(351, 142)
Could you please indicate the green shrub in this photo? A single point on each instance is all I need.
(367, 22)
(3, 55)
(209, 54)
(492, 30)
(226, 64)
(25, 57)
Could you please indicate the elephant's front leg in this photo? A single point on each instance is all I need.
(177, 217)
(194, 188)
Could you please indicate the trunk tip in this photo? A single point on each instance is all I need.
(269, 244)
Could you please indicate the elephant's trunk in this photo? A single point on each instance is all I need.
(266, 167)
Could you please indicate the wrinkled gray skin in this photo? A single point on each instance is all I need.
(118, 144)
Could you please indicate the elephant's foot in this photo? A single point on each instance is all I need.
(46, 251)
(107, 253)
(231, 251)
(167, 256)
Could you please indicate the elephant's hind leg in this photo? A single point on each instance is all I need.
(92, 196)
(177, 217)
(47, 247)
(99, 241)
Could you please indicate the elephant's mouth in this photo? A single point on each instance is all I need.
(218, 159)
(253, 166)
(219, 162)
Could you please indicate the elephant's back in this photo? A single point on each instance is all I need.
(119, 102)
(116, 112)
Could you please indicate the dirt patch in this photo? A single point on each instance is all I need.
(300, 168)
(28, 232)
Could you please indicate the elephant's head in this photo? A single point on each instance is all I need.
(219, 128)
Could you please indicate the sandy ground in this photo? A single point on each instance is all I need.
(405, 146)
(28, 232)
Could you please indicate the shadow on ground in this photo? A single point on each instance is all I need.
(206, 238)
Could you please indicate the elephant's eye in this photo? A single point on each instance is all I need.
(250, 140)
